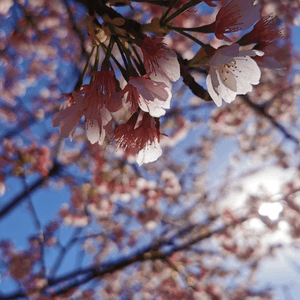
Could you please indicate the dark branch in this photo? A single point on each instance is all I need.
(38, 183)
(131, 26)
(76, 29)
(261, 111)
(148, 253)
(188, 79)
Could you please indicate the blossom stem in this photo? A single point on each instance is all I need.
(96, 64)
(178, 12)
(80, 80)
(139, 64)
(97, 59)
(167, 12)
(137, 55)
(121, 50)
(181, 31)
(109, 49)
(123, 71)
(202, 29)
(129, 66)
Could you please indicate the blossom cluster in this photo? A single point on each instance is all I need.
(148, 96)
(231, 71)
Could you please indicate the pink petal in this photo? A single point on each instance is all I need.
(92, 130)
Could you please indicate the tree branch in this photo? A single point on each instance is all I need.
(189, 80)
(148, 253)
(17, 200)
(260, 110)
(101, 9)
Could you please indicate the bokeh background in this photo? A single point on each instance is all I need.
(215, 217)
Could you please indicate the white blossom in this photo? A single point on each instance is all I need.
(153, 97)
(151, 152)
(232, 72)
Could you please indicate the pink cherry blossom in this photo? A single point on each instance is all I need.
(147, 140)
(160, 61)
(5, 6)
(108, 89)
(133, 97)
(96, 127)
(68, 118)
(68, 102)
(264, 32)
(236, 15)
(232, 72)
(151, 96)
(93, 97)
(97, 118)
(124, 133)
(140, 138)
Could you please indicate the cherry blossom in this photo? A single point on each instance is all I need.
(97, 124)
(160, 61)
(5, 6)
(264, 32)
(151, 96)
(147, 140)
(236, 15)
(124, 133)
(232, 72)
(108, 89)
(97, 118)
(141, 138)
(104, 91)
(68, 118)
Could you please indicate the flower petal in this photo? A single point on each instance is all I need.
(251, 53)
(151, 152)
(216, 98)
(170, 65)
(92, 130)
(224, 55)
(67, 120)
(227, 94)
(228, 78)
(154, 96)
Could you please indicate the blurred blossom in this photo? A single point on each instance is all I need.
(5, 6)
(271, 210)
(297, 20)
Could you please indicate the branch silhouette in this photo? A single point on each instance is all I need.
(152, 252)
(38, 183)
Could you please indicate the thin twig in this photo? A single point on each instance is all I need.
(37, 224)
